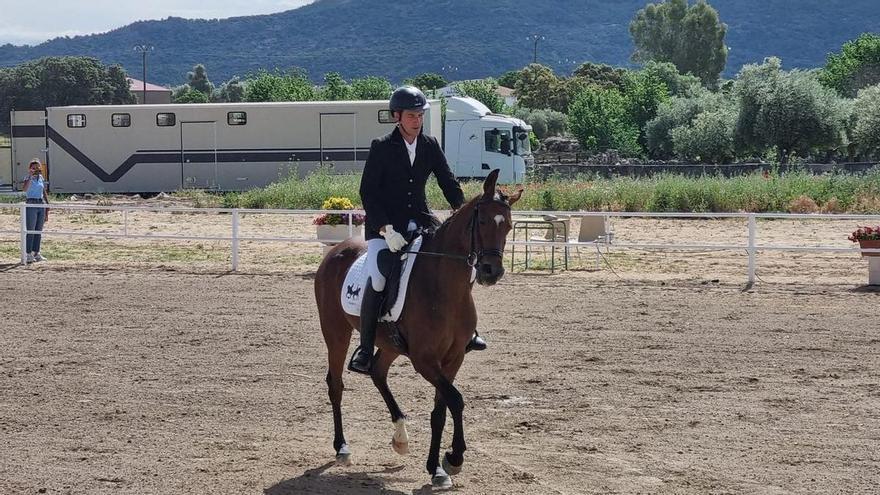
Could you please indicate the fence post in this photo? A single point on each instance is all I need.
(23, 235)
(753, 233)
(235, 240)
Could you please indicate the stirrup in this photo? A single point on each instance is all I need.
(356, 367)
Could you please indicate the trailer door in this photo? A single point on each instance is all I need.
(198, 154)
(339, 141)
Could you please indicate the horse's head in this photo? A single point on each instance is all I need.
(489, 228)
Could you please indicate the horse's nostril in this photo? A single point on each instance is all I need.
(487, 269)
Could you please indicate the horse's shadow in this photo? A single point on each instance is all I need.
(317, 481)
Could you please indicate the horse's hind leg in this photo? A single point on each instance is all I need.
(337, 335)
(381, 362)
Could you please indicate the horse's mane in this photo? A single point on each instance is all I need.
(467, 207)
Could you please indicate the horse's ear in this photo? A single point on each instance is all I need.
(489, 184)
(513, 198)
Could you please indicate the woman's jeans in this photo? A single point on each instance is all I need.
(35, 218)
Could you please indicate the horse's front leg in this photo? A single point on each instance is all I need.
(439, 477)
(453, 461)
(446, 395)
(381, 363)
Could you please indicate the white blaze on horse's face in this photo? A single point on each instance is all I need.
(499, 219)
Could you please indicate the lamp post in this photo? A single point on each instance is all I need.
(144, 49)
(535, 37)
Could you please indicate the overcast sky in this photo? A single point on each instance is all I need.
(33, 22)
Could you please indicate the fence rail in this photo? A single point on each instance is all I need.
(751, 247)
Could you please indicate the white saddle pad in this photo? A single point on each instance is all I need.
(356, 279)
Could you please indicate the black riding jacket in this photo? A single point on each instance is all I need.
(393, 191)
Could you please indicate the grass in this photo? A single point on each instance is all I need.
(791, 192)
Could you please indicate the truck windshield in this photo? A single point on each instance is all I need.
(523, 146)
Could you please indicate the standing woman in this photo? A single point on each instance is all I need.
(35, 187)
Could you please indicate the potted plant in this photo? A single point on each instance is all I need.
(333, 227)
(868, 238)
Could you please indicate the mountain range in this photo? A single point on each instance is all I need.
(459, 39)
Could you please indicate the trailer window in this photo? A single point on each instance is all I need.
(165, 119)
(236, 118)
(386, 117)
(76, 120)
(120, 120)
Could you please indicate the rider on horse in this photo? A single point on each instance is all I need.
(393, 194)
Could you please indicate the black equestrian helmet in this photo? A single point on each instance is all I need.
(408, 98)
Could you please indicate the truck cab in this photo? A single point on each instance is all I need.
(476, 141)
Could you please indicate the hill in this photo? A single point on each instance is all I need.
(401, 38)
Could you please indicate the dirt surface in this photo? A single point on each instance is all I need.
(144, 366)
(123, 379)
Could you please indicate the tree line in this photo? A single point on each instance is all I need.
(674, 106)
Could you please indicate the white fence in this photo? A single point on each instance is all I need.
(234, 238)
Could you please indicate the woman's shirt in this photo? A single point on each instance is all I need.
(36, 187)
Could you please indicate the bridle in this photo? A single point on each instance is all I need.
(475, 255)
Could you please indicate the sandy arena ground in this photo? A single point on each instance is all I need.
(130, 367)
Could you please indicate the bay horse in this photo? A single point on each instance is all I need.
(436, 323)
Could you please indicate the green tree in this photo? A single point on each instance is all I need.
(677, 112)
(231, 91)
(866, 132)
(335, 88)
(189, 95)
(602, 75)
(855, 67)
(428, 81)
(537, 87)
(708, 139)
(58, 81)
(789, 111)
(509, 79)
(197, 79)
(484, 91)
(690, 37)
(277, 86)
(599, 120)
(677, 83)
(371, 88)
(643, 93)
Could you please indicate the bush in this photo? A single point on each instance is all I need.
(866, 132)
(803, 204)
(709, 139)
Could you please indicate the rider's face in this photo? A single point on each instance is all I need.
(411, 121)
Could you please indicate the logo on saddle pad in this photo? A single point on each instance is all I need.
(351, 293)
(356, 279)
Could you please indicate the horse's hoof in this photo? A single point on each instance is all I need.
(401, 448)
(343, 456)
(448, 466)
(441, 481)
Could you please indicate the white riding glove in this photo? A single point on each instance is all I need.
(395, 241)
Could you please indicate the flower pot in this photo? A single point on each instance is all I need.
(334, 234)
(870, 244)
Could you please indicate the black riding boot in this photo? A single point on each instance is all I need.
(370, 308)
(476, 344)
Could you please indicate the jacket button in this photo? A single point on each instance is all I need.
(410, 180)
(409, 206)
(409, 193)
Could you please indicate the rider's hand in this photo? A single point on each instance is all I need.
(395, 241)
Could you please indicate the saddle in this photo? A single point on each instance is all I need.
(396, 283)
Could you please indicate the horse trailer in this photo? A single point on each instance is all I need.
(240, 146)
